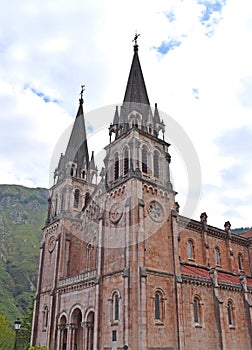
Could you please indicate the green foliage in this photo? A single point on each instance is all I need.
(37, 348)
(22, 215)
(7, 336)
(24, 334)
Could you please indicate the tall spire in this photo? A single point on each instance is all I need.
(136, 89)
(77, 148)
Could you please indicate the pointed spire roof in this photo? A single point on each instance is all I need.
(77, 148)
(156, 115)
(136, 89)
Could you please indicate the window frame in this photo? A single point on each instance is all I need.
(159, 307)
(230, 314)
(144, 154)
(190, 249)
(240, 262)
(197, 311)
(76, 198)
(217, 256)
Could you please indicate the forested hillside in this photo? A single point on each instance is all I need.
(22, 215)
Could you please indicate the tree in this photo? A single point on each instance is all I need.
(24, 334)
(7, 336)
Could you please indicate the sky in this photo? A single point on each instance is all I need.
(196, 59)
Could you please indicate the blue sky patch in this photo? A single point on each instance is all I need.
(170, 16)
(167, 46)
(211, 14)
(40, 94)
(90, 128)
(195, 92)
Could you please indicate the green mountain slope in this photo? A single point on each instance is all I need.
(22, 215)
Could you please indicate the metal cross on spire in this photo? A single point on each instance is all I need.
(135, 38)
(82, 90)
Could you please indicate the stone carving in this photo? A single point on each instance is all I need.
(115, 213)
(156, 211)
(51, 244)
(203, 219)
(227, 227)
(243, 281)
(214, 277)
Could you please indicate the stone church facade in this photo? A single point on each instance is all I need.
(120, 268)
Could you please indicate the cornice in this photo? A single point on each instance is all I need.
(197, 226)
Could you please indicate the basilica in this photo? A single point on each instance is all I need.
(120, 267)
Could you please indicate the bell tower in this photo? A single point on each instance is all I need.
(63, 249)
(137, 246)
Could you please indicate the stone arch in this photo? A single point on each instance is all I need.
(114, 305)
(145, 158)
(135, 119)
(62, 331)
(126, 159)
(159, 305)
(76, 330)
(156, 163)
(89, 328)
(197, 310)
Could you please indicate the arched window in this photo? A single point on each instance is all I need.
(72, 170)
(159, 306)
(197, 310)
(190, 249)
(87, 197)
(76, 198)
(89, 252)
(217, 256)
(116, 307)
(144, 159)
(240, 261)
(116, 170)
(125, 161)
(46, 317)
(230, 313)
(156, 164)
(115, 301)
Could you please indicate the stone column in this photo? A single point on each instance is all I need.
(60, 335)
(71, 336)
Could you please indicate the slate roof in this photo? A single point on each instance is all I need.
(136, 90)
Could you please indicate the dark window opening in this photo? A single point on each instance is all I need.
(156, 164)
(116, 173)
(46, 317)
(126, 162)
(114, 335)
(76, 198)
(144, 160)
(240, 262)
(196, 310)
(87, 197)
(190, 249)
(116, 315)
(230, 313)
(157, 306)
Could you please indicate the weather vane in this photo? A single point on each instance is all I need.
(82, 90)
(135, 38)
